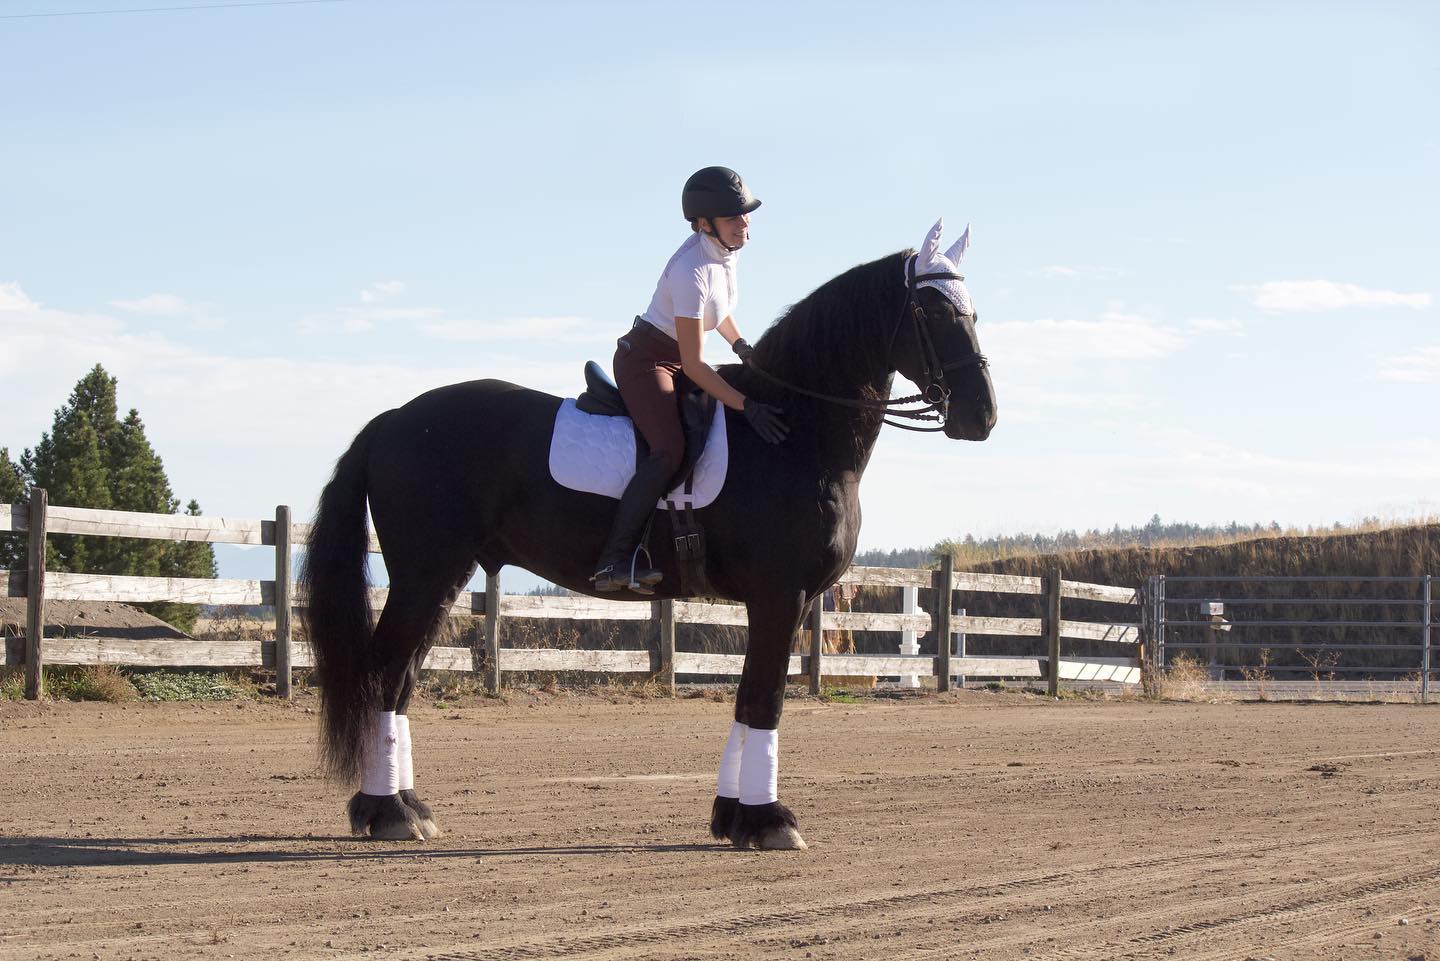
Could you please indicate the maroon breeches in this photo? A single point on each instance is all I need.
(647, 362)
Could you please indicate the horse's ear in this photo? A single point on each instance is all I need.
(931, 246)
(957, 252)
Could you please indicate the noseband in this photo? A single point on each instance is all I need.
(935, 396)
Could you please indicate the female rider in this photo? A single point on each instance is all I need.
(696, 294)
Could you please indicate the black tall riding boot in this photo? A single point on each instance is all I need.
(613, 572)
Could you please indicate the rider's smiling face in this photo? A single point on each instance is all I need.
(732, 231)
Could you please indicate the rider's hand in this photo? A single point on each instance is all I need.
(742, 349)
(766, 420)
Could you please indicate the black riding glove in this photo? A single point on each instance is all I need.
(766, 420)
(742, 349)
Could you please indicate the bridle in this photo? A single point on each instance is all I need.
(935, 395)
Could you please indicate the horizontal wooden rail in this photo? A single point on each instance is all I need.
(200, 590)
(1033, 627)
(1081, 591)
(136, 590)
(190, 653)
(151, 526)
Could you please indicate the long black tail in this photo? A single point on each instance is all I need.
(336, 583)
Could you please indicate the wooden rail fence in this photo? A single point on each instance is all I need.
(37, 585)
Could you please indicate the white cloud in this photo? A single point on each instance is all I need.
(13, 298)
(241, 433)
(1320, 295)
(1079, 270)
(165, 305)
(380, 290)
(1216, 325)
(1115, 336)
(1419, 367)
(569, 329)
(357, 319)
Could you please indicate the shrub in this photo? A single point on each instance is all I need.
(97, 682)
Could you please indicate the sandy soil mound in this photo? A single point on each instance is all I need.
(78, 618)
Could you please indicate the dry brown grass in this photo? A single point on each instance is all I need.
(1259, 675)
(92, 682)
(1186, 679)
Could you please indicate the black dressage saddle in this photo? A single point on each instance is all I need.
(697, 410)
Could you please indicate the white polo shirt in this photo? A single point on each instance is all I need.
(699, 281)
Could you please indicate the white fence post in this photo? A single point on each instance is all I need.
(960, 644)
(909, 640)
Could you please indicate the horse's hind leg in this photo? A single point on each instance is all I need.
(408, 797)
(386, 807)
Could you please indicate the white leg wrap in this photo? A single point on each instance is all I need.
(407, 765)
(728, 784)
(380, 774)
(760, 767)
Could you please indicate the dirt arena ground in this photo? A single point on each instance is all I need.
(970, 825)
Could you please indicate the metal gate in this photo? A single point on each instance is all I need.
(1377, 629)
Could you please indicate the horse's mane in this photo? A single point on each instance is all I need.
(832, 341)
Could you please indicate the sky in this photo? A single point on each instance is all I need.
(1204, 255)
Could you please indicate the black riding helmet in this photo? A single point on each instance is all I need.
(716, 192)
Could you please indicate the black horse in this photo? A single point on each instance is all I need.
(459, 477)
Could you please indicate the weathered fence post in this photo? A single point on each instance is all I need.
(1052, 630)
(816, 616)
(284, 601)
(476, 635)
(664, 613)
(35, 596)
(492, 632)
(942, 581)
(1160, 622)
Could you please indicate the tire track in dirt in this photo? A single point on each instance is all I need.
(884, 908)
(1055, 929)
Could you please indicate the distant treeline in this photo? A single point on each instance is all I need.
(970, 550)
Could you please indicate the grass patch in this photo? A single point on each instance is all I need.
(838, 695)
(12, 683)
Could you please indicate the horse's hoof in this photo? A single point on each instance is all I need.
(384, 818)
(397, 831)
(783, 838)
(722, 818)
(424, 817)
(770, 827)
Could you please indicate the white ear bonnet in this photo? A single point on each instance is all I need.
(930, 260)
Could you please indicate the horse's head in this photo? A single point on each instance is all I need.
(936, 345)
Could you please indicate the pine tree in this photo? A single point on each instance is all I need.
(90, 458)
(67, 463)
(12, 491)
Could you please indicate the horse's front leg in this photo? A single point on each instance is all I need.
(747, 807)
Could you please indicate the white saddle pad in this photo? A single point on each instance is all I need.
(596, 454)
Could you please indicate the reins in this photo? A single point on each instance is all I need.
(936, 396)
